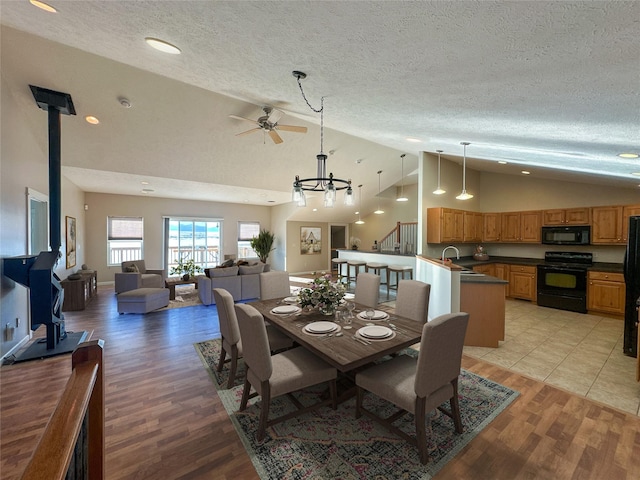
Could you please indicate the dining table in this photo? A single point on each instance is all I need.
(343, 347)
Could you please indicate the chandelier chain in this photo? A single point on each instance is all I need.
(320, 111)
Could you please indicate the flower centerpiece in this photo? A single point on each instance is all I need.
(355, 243)
(186, 268)
(322, 293)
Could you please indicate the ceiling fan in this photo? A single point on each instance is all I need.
(268, 123)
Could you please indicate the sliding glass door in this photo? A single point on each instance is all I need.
(190, 238)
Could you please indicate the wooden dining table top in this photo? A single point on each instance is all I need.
(343, 352)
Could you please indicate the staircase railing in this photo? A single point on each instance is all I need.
(402, 239)
(72, 445)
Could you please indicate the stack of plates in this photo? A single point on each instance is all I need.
(321, 327)
(378, 315)
(290, 300)
(285, 309)
(375, 332)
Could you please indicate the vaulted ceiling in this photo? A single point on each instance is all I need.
(552, 87)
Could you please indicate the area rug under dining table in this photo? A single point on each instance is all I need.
(333, 444)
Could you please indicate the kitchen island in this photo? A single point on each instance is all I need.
(483, 298)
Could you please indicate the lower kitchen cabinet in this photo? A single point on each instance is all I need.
(606, 293)
(486, 269)
(522, 282)
(502, 272)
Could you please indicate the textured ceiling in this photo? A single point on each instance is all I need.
(551, 85)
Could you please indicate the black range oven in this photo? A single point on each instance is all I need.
(562, 280)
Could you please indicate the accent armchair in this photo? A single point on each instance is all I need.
(135, 275)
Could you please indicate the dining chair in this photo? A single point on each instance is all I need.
(274, 284)
(231, 341)
(420, 385)
(412, 300)
(367, 290)
(283, 373)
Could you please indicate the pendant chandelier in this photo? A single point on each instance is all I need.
(321, 182)
(439, 190)
(360, 221)
(464, 195)
(402, 198)
(379, 211)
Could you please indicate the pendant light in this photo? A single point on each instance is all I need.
(439, 190)
(402, 198)
(379, 211)
(360, 221)
(464, 195)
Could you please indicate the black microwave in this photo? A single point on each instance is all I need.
(572, 235)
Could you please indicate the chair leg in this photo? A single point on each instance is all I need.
(245, 394)
(233, 366)
(223, 355)
(264, 410)
(455, 407)
(359, 397)
(421, 432)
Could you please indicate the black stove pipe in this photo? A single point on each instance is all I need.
(55, 180)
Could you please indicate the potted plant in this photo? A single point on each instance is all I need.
(186, 268)
(263, 244)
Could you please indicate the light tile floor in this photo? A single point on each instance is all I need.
(577, 352)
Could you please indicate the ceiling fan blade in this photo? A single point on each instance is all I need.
(257, 129)
(274, 116)
(275, 137)
(292, 128)
(242, 118)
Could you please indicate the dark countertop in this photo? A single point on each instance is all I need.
(488, 279)
(470, 262)
(374, 252)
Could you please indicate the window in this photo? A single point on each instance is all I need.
(246, 231)
(190, 238)
(124, 239)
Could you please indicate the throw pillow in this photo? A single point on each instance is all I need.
(227, 263)
(133, 268)
(251, 269)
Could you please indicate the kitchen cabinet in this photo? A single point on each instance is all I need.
(489, 269)
(491, 227)
(485, 303)
(521, 227)
(445, 225)
(522, 282)
(606, 224)
(472, 227)
(628, 211)
(501, 271)
(605, 293)
(567, 216)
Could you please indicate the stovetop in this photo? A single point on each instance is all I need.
(569, 259)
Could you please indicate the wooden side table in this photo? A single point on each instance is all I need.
(78, 293)
(171, 283)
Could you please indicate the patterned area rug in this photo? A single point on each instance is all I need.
(186, 296)
(328, 444)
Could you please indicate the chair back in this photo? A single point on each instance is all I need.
(227, 316)
(255, 343)
(440, 352)
(367, 289)
(138, 263)
(274, 284)
(412, 300)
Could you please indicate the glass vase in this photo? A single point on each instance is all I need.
(327, 309)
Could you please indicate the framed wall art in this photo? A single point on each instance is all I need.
(71, 241)
(310, 240)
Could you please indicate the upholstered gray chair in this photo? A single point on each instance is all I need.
(419, 386)
(367, 290)
(135, 275)
(283, 373)
(274, 284)
(412, 300)
(231, 342)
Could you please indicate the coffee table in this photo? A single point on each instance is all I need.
(171, 283)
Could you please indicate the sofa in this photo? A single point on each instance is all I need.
(241, 281)
(135, 275)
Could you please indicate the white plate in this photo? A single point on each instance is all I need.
(285, 309)
(291, 300)
(321, 327)
(375, 332)
(379, 315)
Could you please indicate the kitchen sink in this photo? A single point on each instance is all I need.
(471, 272)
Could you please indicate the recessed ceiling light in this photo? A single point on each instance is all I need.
(92, 120)
(163, 46)
(43, 6)
(315, 209)
(414, 140)
(628, 155)
(502, 162)
(525, 172)
(144, 183)
(357, 213)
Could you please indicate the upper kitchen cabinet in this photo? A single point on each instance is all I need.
(606, 226)
(491, 228)
(628, 211)
(521, 227)
(472, 230)
(567, 216)
(445, 225)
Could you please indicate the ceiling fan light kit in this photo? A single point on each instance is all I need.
(321, 182)
(439, 190)
(464, 195)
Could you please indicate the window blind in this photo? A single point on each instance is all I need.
(124, 228)
(248, 230)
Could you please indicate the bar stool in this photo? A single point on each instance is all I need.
(336, 264)
(356, 264)
(376, 267)
(398, 270)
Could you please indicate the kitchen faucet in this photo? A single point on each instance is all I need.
(447, 248)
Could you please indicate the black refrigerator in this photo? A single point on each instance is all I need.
(632, 284)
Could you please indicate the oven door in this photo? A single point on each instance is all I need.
(562, 287)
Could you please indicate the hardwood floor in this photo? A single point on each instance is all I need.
(164, 419)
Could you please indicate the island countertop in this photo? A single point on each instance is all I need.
(375, 252)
